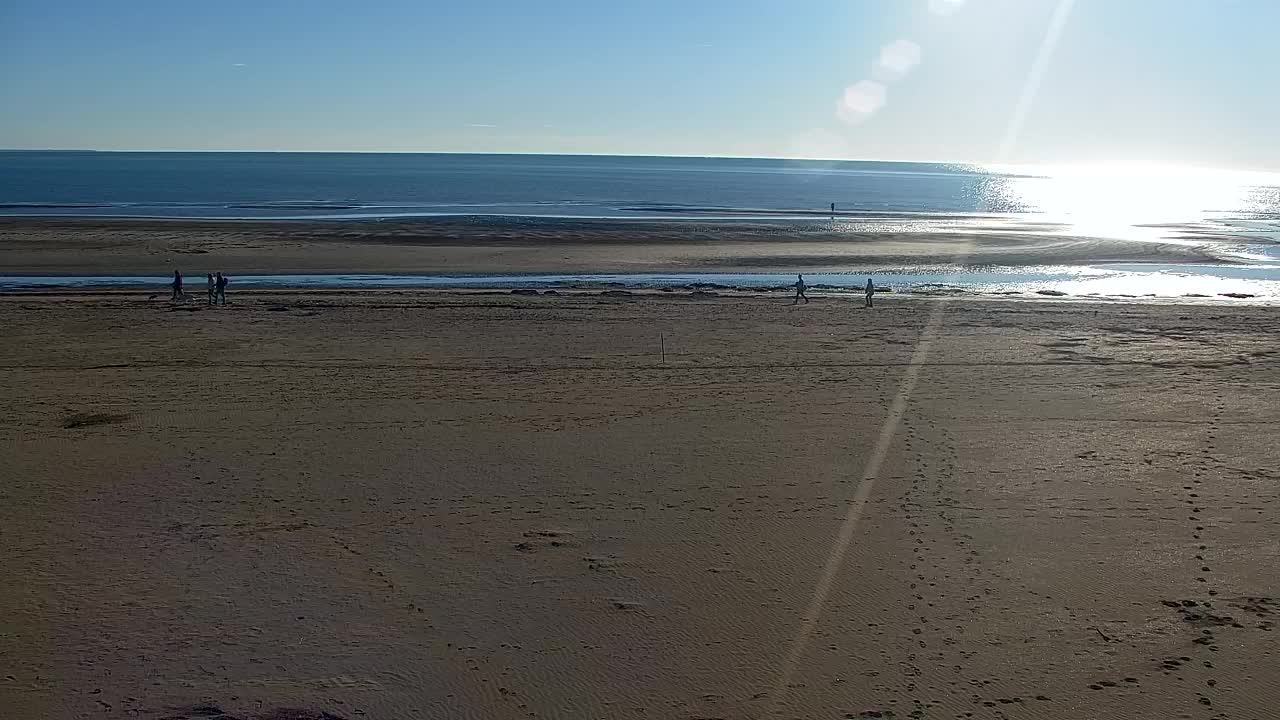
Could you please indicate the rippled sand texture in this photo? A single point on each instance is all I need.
(393, 506)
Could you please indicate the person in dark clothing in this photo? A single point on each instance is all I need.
(221, 285)
(176, 285)
(800, 286)
(871, 291)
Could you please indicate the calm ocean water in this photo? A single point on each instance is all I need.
(353, 185)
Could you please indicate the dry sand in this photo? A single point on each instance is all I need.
(390, 505)
(487, 245)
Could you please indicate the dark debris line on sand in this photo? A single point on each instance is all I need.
(91, 419)
(207, 711)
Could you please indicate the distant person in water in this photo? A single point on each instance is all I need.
(176, 285)
(871, 292)
(220, 285)
(800, 286)
(833, 208)
(211, 288)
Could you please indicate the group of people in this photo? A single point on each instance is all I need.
(800, 288)
(217, 288)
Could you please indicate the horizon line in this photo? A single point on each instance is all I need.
(983, 164)
(479, 152)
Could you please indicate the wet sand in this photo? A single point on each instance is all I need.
(394, 505)
(487, 245)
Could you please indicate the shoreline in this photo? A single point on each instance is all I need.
(157, 294)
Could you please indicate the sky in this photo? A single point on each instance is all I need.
(1015, 81)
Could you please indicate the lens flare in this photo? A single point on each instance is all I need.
(945, 7)
(897, 59)
(861, 100)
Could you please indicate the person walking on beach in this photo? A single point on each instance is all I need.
(221, 286)
(211, 290)
(871, 291)
(176, 285)
(800, 290)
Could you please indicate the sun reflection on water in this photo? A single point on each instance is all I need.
(1164, 284)
(1133, 202)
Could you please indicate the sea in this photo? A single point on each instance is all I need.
(1141, 204)
(373, 185)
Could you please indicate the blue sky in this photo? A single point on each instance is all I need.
(1128, 81)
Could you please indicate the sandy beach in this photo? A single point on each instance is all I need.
(413, 505)
(33, 246)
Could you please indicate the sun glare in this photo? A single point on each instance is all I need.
(1117, 200)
